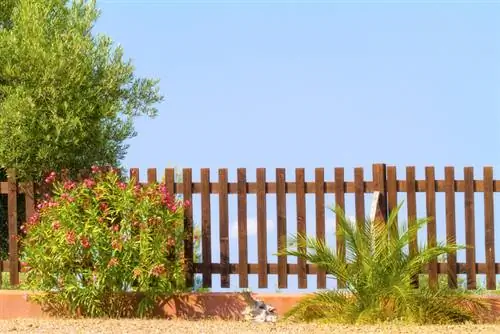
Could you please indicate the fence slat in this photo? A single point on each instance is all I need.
(134, 175)
(301, 223)
(430, 203)
(451, 228)
(187, 179)
(170, 180)
(411, 198)
(489, 229)
(152, 175)
(392, 189)
(470, 232)
(206, 231)
(379, 184)
(339, 202)
(320, 218)
(359, 195)
(281, 222)
(12, 222)
(224, 227)
(242, 228)
(262, 226)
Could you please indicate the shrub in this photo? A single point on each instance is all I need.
(93, 241)
(378, 274)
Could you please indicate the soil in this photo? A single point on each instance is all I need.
(179, 326)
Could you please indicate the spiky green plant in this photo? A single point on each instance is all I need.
(378, 273)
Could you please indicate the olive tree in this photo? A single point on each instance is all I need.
(68, 97)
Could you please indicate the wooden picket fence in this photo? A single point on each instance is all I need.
(383, 181)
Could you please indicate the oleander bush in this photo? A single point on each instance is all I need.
(92, 244)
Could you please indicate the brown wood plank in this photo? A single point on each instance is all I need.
(451, 227)
(3, 188)
(152, 175)
(359, 196)
(489, 228)
(292, 269)
(224, 227)
(339, 202)
(206, 230)
(29, 199)
(12, 223)
(411, 198)
(349, 187)
(187, 178)
(289, 186)
(320, 218)
(242, 228)
(379, 184)
(134, 175)
(281, 223)
(262, 227)
(312, 269)
(170, 181)
(470, 233)
(430, 203)
(301, 223)
(392, 191)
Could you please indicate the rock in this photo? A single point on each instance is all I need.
(258, 311)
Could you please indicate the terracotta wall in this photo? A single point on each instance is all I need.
(16, 304)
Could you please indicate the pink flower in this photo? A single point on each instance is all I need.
(89, 183)
(158, 270)
(66, 197)
(116, 244)
(51, 178)
(103, 206)
(136, 272)
(187, 203)
(122, 185)
(85, 242)
(56, 225)
(95, 169)
(170, 241)
(113, 262)
(70, 238)
(69, 185)
(116, 228)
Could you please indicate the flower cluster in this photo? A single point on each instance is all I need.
(99, 228)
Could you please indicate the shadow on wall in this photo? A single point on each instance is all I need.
(227, 306)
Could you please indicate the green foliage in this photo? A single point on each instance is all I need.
(378, 273)
(95, 241)
(68, 97)
(6, 8)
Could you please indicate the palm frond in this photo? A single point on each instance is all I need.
(316, 251)
(328, 306)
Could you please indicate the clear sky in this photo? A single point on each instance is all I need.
(316, 84)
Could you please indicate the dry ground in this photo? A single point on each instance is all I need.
(180, 327)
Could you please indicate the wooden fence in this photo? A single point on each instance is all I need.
(383, 180)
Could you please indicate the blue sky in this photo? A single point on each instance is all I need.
(315, 84)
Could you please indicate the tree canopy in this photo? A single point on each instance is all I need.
(68, 97)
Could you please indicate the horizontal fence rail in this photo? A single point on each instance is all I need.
(383, 180)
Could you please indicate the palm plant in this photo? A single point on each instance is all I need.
(378, 273)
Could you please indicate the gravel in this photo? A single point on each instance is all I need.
(180, 326)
